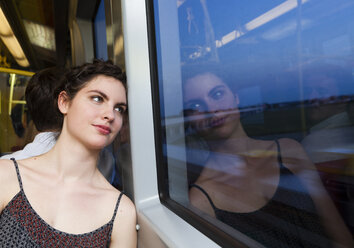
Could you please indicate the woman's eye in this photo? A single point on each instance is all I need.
(218, 95)
(194, 107)
(97, 98)
(119, 109)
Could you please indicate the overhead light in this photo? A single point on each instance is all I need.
(10, 41)
(40, 35)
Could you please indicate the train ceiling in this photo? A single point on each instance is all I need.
(41, 28)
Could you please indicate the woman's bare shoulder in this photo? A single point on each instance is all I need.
(7, 171)
(291, 148)
(126, 207)
(9, 185)
(295, 157)
(124, 232)
(198, 199)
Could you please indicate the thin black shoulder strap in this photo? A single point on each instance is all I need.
(205, 193)
(18, 174)
(117, 205)
(279, 152)
(114, 215)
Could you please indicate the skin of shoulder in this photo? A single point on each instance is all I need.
(292, 153)
(124, 232)
(197, 198)
(200, 201)
(295, 158)
(9, 185)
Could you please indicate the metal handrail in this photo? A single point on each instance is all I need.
(16, 71)
(13, 73)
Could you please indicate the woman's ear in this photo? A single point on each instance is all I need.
(63, 102)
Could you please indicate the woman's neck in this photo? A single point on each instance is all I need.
(236, 143)
(72, 161)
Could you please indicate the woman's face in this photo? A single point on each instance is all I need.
(95, 115)
(211, 106)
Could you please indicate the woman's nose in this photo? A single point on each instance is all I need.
(211, 106)
(216, 106)
(108, 114)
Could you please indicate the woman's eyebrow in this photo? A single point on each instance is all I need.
(99, 92)
(106, 97)
(121, 104)
(216, 88)
(190, 102)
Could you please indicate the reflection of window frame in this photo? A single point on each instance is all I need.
(12, 80)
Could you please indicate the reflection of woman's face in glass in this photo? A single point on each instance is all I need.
(211, 106)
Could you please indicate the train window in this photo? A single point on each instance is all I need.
(16, 126)
(100, 33)
(254, 118)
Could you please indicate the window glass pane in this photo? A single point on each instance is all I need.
(100, 33)
(257, 113)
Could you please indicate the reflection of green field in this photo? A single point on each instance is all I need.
(273, 122)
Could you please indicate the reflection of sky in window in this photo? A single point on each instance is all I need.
(338, 46)
(273, 47)
(250, 96)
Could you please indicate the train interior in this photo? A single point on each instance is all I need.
(271, 61)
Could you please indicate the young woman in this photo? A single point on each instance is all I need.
(268, 190)
(60, 199)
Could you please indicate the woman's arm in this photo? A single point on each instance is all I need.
(124, 232)
(296, 159)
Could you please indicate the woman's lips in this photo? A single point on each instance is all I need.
(103, 129)
(215, 122)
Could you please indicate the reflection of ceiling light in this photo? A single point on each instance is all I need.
(284, 29)
(272, 14)
(277, 11)
(10, 41)
(229, 37)
(40, 35)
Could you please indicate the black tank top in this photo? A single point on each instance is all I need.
(21, 226)
(289, 219)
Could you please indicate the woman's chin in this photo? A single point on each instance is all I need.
(98, 145)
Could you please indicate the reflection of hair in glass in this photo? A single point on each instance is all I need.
(218, 70)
